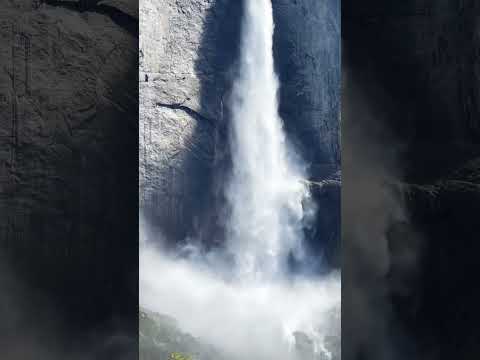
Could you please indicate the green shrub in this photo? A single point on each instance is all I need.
(179, 356)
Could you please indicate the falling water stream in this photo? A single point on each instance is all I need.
(266, 191)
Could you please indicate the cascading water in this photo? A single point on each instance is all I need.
(261, 312)
(266, 191)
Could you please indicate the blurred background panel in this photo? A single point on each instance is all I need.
(68, 179)
(411, 176)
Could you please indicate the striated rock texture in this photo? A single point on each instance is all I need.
(188, 51)
(177, 128)
(68, 120)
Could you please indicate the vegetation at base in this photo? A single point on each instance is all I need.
(179, 356)
(161, 339)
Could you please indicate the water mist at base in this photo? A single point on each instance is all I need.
(243, 319)
(257, 311)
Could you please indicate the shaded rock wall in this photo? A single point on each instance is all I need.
(307, 53)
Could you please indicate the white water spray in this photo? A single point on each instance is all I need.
(258, 313)
(266, 191)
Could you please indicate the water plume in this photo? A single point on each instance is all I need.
(266, 191)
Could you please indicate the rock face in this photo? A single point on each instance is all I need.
(176, 128)
(188, 51)
(68, 99)
(307, 53)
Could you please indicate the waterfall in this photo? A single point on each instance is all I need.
(266, 191)
(260, 313)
